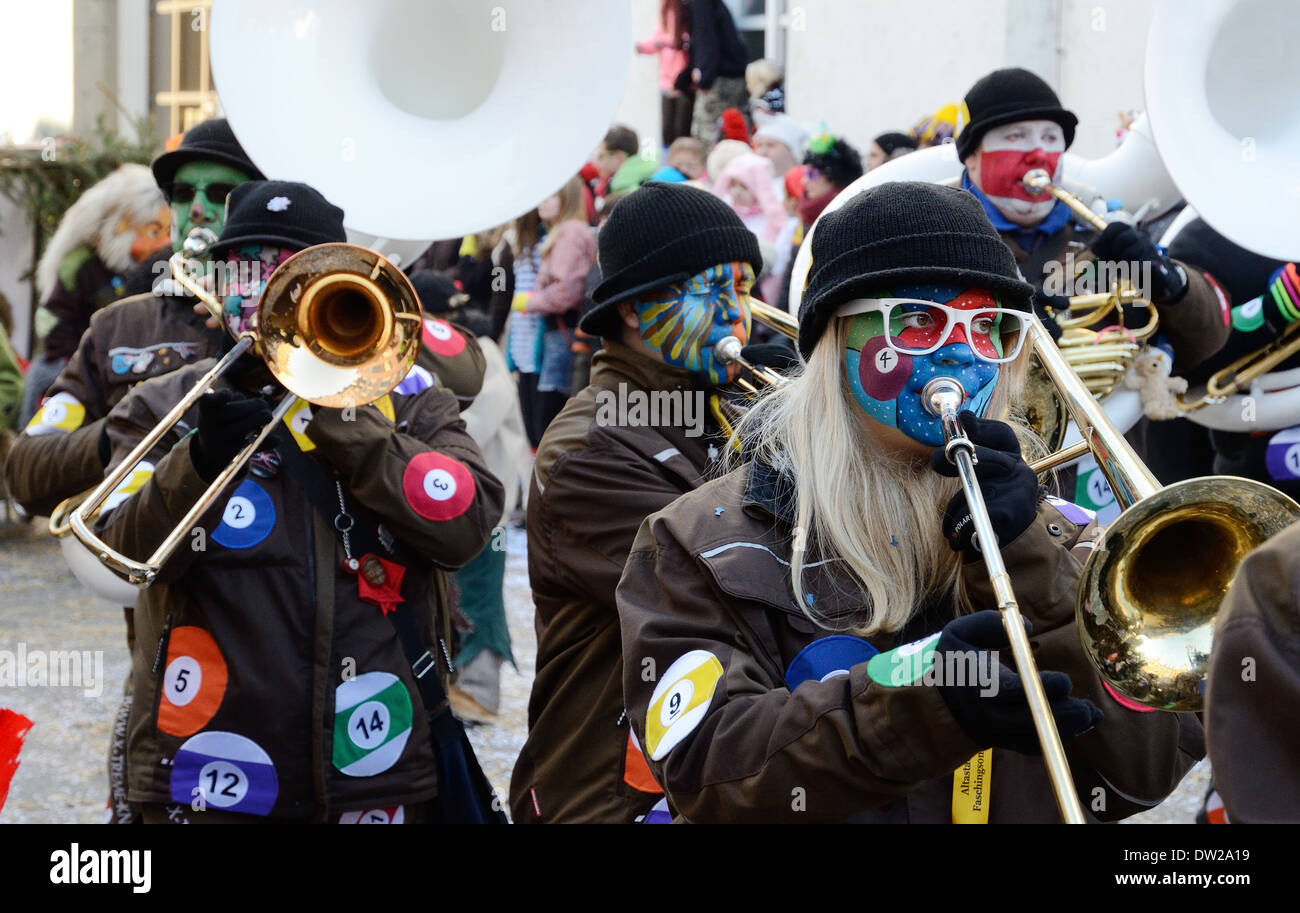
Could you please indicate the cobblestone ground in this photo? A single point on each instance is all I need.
(62, 773)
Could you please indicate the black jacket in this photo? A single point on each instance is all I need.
(716, 49)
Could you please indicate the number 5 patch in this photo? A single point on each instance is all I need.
(680, 701)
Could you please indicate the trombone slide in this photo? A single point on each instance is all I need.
(942, 397)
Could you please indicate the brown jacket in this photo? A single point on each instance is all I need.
(297, 688)
(710, 574)
(594, 482)
(1196, 326)
(137, 338)
(1253, 693)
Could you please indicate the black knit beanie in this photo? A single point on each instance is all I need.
(1004, 97)
(904, 233)
(658, 235)
(283, 213)
(209, 141)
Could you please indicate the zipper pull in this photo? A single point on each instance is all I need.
(161, 653)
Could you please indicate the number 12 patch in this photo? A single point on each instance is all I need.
(680, 701)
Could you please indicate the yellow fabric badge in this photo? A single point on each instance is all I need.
(60, 414)
(296, 420)
(970, 789)
(142, 473)
(680, 701)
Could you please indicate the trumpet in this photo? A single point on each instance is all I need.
(337, 325)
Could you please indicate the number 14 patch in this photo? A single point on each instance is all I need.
(372, 721)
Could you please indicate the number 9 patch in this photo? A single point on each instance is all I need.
(680, 701)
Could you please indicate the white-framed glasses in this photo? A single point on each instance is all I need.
(918, 327)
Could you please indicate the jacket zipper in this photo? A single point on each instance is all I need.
(161, 653)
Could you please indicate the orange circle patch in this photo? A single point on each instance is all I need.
(194, 681)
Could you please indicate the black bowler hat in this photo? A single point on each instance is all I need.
(904, 233)
(283, 213)
(658, 235)
(209, 141)
(1007, 96)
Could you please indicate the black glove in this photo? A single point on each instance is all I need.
(1009, 486)
(999, 717)
(227, 420)
(1044, 304)
(1121, 242)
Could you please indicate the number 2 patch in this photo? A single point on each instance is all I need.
(226, 771)
(437, 487)
(194, 681)
(680, 701)
(247, 519)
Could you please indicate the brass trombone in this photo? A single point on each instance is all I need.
(1153, 583)
(338, 325)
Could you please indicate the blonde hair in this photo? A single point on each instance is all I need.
(854, 498)
(765, 73)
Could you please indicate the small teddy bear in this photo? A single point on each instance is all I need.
(1149, 375)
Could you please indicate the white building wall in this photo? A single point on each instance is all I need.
(868, 66)
(640, 107)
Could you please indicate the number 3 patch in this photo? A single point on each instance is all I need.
(437, 487)
(680, 701)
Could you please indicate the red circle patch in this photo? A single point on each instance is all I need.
(882, 371)
(193, 682)
(442, 338)
(437, 487)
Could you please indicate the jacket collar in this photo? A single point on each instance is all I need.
(616, 362)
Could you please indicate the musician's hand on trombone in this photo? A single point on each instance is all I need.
(1009, 486)
(999, 717)
(227, 419)
(1123, 243)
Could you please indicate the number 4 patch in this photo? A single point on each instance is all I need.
(680, 701)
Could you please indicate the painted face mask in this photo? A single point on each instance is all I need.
(683, 322)
(887, 383)
(247, 271)
(1010, 152)
(198, 197)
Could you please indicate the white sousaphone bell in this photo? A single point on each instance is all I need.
(422, 119)
(1222, 95)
